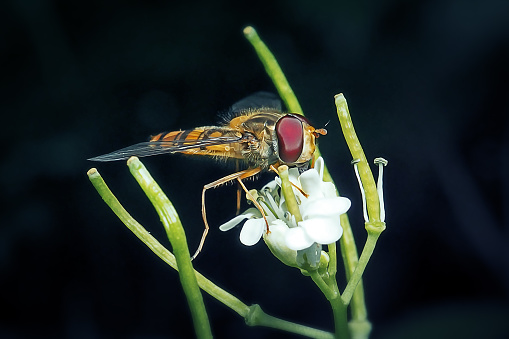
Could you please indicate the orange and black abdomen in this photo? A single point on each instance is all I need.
(180, 137)
(199, 141)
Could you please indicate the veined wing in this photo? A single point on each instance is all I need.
(171, 143)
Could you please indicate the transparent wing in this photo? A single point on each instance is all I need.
(258, 100)
(149, 148)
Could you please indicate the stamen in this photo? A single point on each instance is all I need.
(363, 194)
(271, 204)
(381, 162)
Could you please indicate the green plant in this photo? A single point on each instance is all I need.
(299, 225)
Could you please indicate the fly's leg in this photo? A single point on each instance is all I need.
(239, 196)
(238, 189)
(273, 168)
(255, 203)
(235, 176)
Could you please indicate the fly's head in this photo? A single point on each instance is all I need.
(296, 139)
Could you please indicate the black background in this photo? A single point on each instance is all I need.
(426, 83)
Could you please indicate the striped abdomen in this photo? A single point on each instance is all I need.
(207, 140)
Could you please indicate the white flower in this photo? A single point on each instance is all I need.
(320, 211)
(253, 227)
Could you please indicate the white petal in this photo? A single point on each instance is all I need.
(277, 234)
(311, 183)
(324, 207)
(249, 213)
(293, 174)
(233, 222)
(319, 166)
(276, 242)
(282, 204)
(328, 189)
(297, 239)
(252, 231)
(322, 230)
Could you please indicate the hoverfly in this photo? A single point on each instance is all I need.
(257, 134)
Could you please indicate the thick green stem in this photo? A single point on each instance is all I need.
(368, 182)
(278, 78)
(177, 237)
(273, 70)
(286, 188)
(354, 293)
(339, 310)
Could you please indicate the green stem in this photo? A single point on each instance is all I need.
(277, 76)
(339, 310)
(124, 216)
(177, 237)
(368, 182)
(332, 268)
(286, 188)
(350, 256)
(359, 326)
(329, 292)
(273, 70)
(156, 247)
(205, 284)
(257, 317)
(354, 291)
(374, 231)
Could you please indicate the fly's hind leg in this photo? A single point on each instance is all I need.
(239, 188)
(235, 176)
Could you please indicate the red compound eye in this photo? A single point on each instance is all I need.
(290, 137)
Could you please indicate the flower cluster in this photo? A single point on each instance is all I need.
(320, 208)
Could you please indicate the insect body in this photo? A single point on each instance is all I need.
(261, 138)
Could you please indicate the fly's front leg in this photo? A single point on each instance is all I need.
(255, 203)
(235, 176)
(274, 169)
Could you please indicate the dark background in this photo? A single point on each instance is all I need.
(427, 86)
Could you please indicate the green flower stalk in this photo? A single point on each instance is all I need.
(373, 210)
(286, 188)
(273, 70)
(177, 237)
